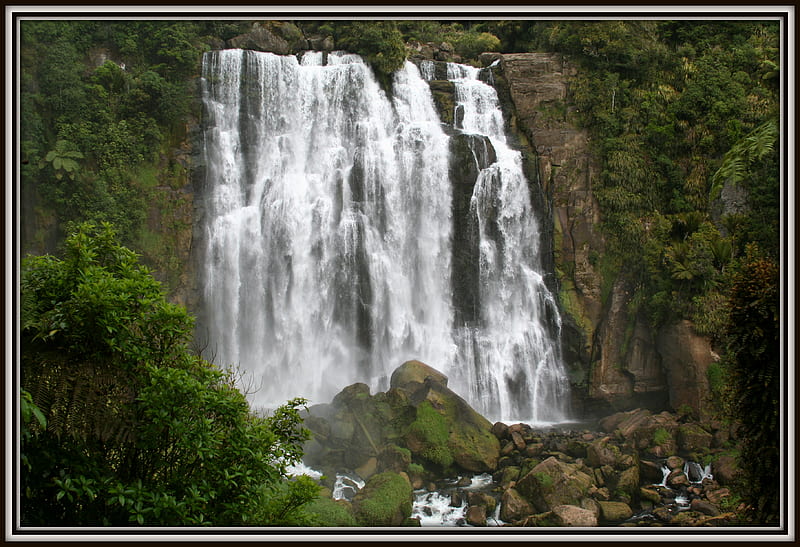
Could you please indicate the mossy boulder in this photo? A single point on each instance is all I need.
(418, 419)
(553, 483)
(693, 438)
(385, 500)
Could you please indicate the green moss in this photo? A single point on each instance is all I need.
(661, 436)
(385, 497)
(545, 480)
(431, 429)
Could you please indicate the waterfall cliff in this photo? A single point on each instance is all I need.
(327, 237)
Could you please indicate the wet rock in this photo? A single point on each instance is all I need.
(507, 449)
(677, 478)
(534, 449)
(614, 511)
(650, 495)
(456, 499)
(476, 515)
(368, 469)
(464, 481)
(629, 481)
(650, 472)
(705, 507)
(571, 516)
(482, 499)
(675, 462)
(415, 372)
(514, 507)
(500, 430)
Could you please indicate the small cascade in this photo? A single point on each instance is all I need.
(435, 509)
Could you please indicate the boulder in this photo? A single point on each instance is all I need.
(693, 438)
(554, 483)
(725, 469)
(651, 472)
(476, 515)
(385, 500)
(629, 481)
(601, 452)
(614, 511)
(415, 372)
(261, 38)
(677, 478)
(572, 516)
(514, 507)
(705, 507)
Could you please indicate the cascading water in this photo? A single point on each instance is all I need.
(510, 358)
(327, 233)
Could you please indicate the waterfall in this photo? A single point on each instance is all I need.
(511, 357)
(326, 235)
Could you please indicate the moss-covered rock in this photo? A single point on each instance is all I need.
(552, 483)
(329, 512)
(385, 500)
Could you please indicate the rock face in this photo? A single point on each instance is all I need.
(614, 358)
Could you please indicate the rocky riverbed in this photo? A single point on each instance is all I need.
(425, 457)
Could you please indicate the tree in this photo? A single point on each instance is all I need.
(754, 367)
(130, 427)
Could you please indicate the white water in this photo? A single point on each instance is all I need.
(327, 232)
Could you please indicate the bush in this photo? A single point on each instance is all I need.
(139, 431)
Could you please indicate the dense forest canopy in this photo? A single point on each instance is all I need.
(683, 115)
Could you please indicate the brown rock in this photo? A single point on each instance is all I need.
(716, 496)
(677, 478)
(514, 507)
(601, 452)
(534, 449)
(476, 515)
(705, 507)
(500, 430)
(725, 470)
(675, 462)
(519, 443)
(572, 516)
(686, 357)
(554, 483)
(614, 511)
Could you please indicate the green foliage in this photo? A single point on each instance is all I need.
(87, 128)
(130, 427)
(754, 349)
(380, 43)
